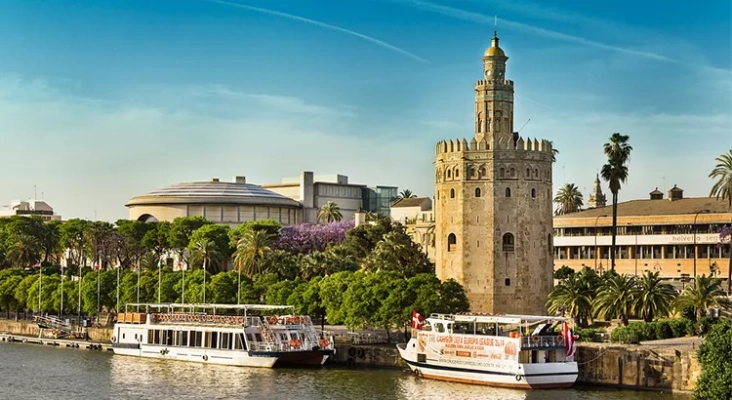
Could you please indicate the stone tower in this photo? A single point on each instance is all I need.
(493, 204)
(597, 198)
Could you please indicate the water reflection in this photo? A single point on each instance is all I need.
(43, 372)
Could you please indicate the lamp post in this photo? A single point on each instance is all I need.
(693, 227)
(61, 308)
(595, 251)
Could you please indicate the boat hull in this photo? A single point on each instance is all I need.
(524, 376)
(300, 358)
(200, 355)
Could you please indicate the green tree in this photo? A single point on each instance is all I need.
(397, 252)
(406, 194)
(715, 356)
(332, 289)
(24, 251)
(361, 240)
(251, 250)
(269, 226)
(48, 284)
(223, 289)
(156, 240)
(9, 280)
(280, 262)
(217, 248)
(654, 298)
(50, 239)
(73, 238)
(615, 172)
(563, 272)
(329, 212)
(569, 199)
(181, 231)
(573, 296)
(616, 298)
(705, 294)
(207, 252)
(453, 298)
(21, 291)
(722, 188)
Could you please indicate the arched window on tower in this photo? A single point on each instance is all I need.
(508, 192)
(482, 172)
(528, 173)
(502, 172)
(508, 243)
(449, 173)
(533, 193)
(457, 173)
(451, 242)
(513, 172)
(477, 192)
(452, 193)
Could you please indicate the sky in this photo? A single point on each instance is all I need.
(101, 101)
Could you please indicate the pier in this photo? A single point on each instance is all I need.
(68, 343)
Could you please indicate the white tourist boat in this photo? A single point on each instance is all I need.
(240, 335)
(516, 351)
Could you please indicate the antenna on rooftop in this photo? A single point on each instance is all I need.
(495, 26)
(522, 126)
(35, 192)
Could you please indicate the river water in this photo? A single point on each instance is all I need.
(44, 372)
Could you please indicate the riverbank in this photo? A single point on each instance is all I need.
(669, 366)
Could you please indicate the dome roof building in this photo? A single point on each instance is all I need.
(229, 203)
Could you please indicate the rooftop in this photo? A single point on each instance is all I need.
(410, 202)
(647, 208)
(213, 192)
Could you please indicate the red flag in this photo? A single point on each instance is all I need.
(568, 340)
(417, 320)
(96, 266)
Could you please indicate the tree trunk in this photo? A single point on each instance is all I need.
(614, 231)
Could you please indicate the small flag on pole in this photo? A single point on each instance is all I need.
(159, 263)
(417, 320)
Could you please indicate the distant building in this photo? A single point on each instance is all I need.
(597, 198)
(676, 237)
(228, 203)
(417, 216)
(29, 208)
(314, 191)
(410, 210)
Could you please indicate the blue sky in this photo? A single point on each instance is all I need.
(104, 100)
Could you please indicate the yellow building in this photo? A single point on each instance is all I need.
(676, 236)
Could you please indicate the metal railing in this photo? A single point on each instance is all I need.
(542, 342)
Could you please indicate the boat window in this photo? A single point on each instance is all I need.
(183, 338)
(169, 337)
(250, 337)
(214, 342)
(258, 337)
(283, 336)
(199, 339)
(123, 336)
(294, 335)
(241, 343)
(462, 327)
(439, 327)
(226, 341)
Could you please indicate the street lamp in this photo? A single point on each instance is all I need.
(693, 227)
(596, 219)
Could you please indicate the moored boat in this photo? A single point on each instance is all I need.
(515, 351)
(239, 335)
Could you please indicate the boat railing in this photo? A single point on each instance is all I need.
(162, 318)
(542, 341)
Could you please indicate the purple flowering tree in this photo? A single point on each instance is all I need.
(307, 238)
(725, 235)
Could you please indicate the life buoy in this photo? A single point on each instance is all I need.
(205, 357)
(114, 339)
(535, 339)
(352, 351)
(324, 343)
(560, 339)
(518, 378)
(272, 320)
(240, 320)
(361, 352)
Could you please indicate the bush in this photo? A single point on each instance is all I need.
(663, 329)
(588, 334)
(678, 327)
(715, 356)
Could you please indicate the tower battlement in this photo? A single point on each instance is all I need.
(519, 144)
(484, 82)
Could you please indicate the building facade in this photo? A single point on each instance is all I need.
(227, 203)
(493, 205)
(30, 208)
(677, 237)
(314, 191)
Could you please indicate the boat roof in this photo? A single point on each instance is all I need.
(503, 318)
(211, 306)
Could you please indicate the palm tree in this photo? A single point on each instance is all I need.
(330, 212)
(569, 199)
(654, 298)
(723, 188)
(205, 250)
(24, 251)
(615, 172)
(707, 293)
(251, 249)
(406, 194)
(617, 298)
(554, 151)
(573, 296)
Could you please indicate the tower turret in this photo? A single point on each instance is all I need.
(597, 198)
(494, 97)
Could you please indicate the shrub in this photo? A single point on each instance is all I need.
(663, 329)
(715, 356)
(678, 327)
(588, 334)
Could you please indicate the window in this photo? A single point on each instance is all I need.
(508, 192)
(477, 192)
(449, 173)
(508, 243)
(513, 172)
(502, 172)
(508, 282)
(528, 173)
(536, 173)
(457, 173)
(452, 193)
(451, 241)
(482, 172)
(533, 193)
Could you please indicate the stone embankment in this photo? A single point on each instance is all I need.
(658, 366)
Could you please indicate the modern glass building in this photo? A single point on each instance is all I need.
(378, 199)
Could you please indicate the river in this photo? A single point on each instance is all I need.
(44, 372)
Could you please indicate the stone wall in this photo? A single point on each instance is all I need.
(638, 367)
(26, 328)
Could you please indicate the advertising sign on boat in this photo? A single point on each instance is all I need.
(481, 351)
